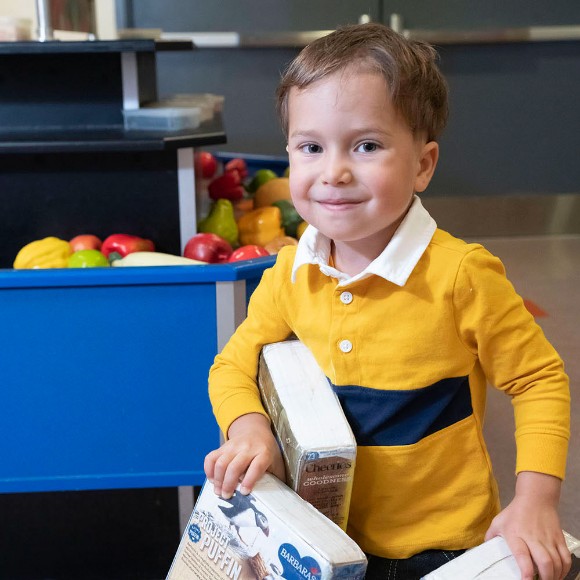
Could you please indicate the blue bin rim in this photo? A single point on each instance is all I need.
(227, 156)
(135, 275)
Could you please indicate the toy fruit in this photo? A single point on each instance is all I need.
(300, 229)
(221, 221)
(49, 252)
(125, 244)
(260, 177)
(205, 164)
(227, 186)
(277, 244)
(85, 242)
(207, 247)
(242, 206)
(272, 191)
(87, 259)
(260, 226)
(290, 217)
(238, 165)
(248, 252)
(154, 259)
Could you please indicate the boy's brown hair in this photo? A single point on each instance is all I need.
(416, 86)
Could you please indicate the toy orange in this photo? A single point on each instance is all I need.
(271, 191)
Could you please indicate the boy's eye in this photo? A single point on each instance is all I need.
(367, 147)
(311, 148)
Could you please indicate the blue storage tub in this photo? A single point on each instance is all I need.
(105, 372)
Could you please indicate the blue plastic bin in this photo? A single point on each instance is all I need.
(278, 164)
(105, 372)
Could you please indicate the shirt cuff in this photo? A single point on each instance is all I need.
(234, 407)
(543, 453)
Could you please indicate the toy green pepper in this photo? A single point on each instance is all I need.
(290, 217)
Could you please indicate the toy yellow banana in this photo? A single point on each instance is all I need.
(49, 252)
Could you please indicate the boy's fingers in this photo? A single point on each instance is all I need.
(232, 476)
(523, 558)
(548, 567)
(253, 473)
(545, 566)
(566, 559)
(221, 462)
(209, 463)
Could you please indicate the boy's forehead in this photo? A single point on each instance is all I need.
(361, 100)
(342, 92)
(340, 82)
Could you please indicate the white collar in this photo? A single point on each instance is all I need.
(396, 261)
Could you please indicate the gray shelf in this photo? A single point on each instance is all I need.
(299, 39)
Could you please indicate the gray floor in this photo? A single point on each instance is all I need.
(546, 271)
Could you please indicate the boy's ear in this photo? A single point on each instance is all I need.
(427, 164)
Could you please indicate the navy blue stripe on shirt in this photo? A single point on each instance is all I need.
(384, 418)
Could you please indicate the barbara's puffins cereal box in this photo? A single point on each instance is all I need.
(270, 534)
(317, 443)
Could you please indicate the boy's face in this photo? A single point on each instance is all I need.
(354, 162)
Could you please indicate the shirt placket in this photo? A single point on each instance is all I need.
(344, 341)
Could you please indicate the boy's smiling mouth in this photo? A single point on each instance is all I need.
(338, 204)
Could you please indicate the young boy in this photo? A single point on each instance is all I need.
(407, 322)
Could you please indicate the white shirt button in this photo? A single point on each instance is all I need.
(346, 297)
(345, 345)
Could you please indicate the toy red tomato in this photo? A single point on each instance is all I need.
(85, 242)
(205, 164)
(248, 252)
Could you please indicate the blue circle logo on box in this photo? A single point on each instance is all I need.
(194, 533)
(295, 567)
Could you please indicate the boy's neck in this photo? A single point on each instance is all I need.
(352, 258)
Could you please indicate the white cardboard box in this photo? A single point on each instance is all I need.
(317, 443)
(270, 534)
(493, 560)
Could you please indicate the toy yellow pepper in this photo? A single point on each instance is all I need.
(300, 229)
(260, 226)
(46, 253)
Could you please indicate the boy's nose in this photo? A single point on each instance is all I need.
(336, 170)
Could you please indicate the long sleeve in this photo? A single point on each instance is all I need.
(516, 358)
(232, 380)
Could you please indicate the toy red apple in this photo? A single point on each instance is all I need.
(207, 247)
(85, 242)
(248, 252)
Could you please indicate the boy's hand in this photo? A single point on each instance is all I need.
(251, 449)
(531, 527)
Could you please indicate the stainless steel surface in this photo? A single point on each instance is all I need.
(300, 39)
(44, 30)
(506, 215)
(531, 34)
